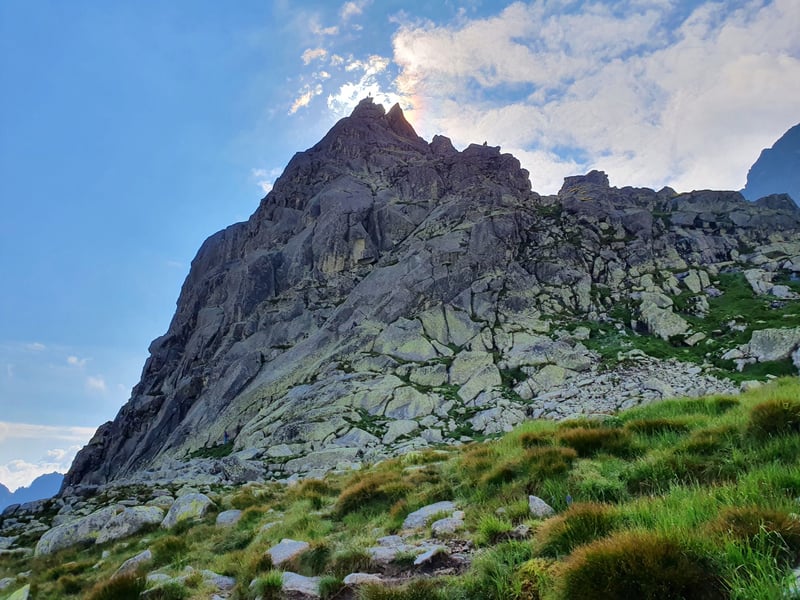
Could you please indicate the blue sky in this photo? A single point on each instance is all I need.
(130, 131)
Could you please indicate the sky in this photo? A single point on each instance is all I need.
(131, 131)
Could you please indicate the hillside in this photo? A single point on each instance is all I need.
(391, 294)
(691, 498)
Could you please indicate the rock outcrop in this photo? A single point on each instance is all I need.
(394, 291)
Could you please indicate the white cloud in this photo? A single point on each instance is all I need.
(265, 179)
(368, 84)
(614, 85)
(10, 432)
(10, 371)
(353, 9)
(318, 29)
(312, 54)
(19, 473)
(305, 97)
(77, 362)
(96, 383)
(35, 347)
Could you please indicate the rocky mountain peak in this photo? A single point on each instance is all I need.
(390, 294)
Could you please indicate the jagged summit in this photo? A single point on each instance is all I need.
(391, 293)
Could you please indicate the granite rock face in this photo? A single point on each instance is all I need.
(394, 291)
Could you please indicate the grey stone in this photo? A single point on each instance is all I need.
(221, 582)
(227, 518)
(82, 530)
(397, 429)
(429, 554)
(6, 582)
(446, 527)
(286, 550)
(22, 593)
(129, 521)
(357, 579)
(539, 508)
(307, 587)
(133, 563)
(419, 518)
(190, 506)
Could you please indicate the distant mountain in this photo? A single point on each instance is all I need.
(44, 486)
(777, 170)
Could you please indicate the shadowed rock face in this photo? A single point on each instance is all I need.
(389, 280)
(777, 170)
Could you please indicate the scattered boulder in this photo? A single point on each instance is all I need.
(81, 530)
(129, 521)
(22, 593)
(299, 585)
(357, 579)
(228, 518)
(539, 508)
(286, 550)
(419, 518)
(192, 505)
(134, 562)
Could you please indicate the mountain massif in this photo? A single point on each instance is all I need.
(392, 293)
(43, 486)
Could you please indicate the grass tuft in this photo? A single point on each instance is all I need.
(640, 565)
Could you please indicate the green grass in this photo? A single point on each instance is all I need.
(691, 498)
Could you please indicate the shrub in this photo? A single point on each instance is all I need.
(123, 587)
(371, 491)
(491, 529)
(314, 560)
(748, 522)
(353, 560)
(171, 590)
(269, 586)
(330, 586)
(547, 462)
(657, 425)
(638, 565)
(493, 575)
(773, 418)
(534, 577)
(588, 441)
(69, 584)
(531, 439)
(709, 440)
(417, 589)
(580, 524)
(476, 459)
(168, 550)
(236, 539)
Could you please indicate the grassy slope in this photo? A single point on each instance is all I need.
(687, 498)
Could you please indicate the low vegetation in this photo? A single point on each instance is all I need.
(692, 498)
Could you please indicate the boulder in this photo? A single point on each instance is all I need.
(286, 550)
(773, 344)
(539, 508)
(22, 593)
(193, 505)
(134, 562)
(227, 518)
(419, 518)
(129, 521)
(79, 531)
(300, 585)
(357, 579)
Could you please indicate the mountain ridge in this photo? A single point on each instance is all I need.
(389, 294)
